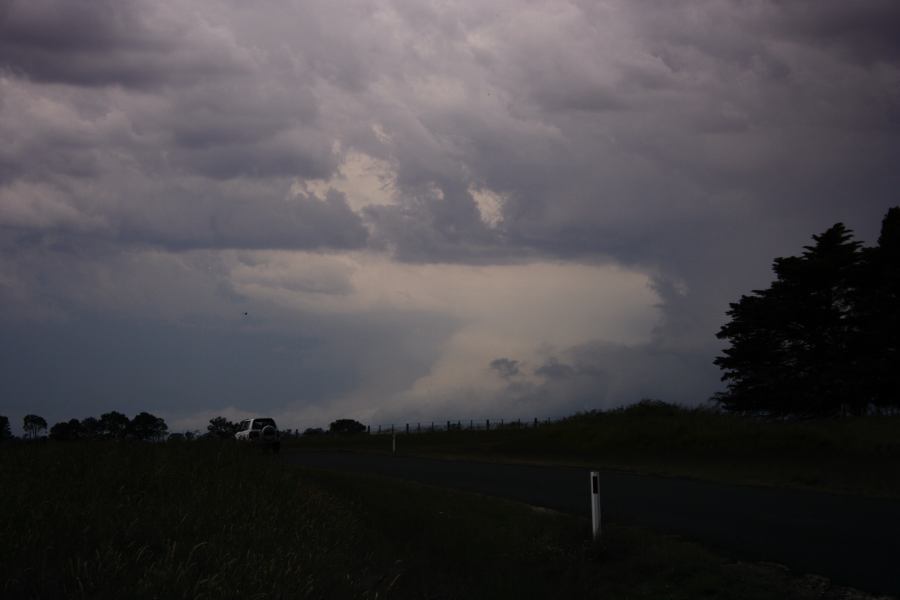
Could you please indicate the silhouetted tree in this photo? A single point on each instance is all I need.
(113, 425)
(823, 338)
(90, 428)
(878, 342)
(145, 426)
(66, 430)
(346, 426)
(33, 425)
(5, 433)
(221, 427)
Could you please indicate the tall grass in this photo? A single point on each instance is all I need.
(167, 521)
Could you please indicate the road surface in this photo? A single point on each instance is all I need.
(852, 540)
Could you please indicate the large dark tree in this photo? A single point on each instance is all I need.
(878, 343)
(66, 430)
(90, 428)
(822, 339)
(145, 426)
(5, 433)
(33, 425)
(113, 425)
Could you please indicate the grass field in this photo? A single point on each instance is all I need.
(854, 455)
(211, 520)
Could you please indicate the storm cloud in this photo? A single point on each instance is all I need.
(576, 188)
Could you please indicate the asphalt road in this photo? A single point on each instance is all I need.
(852, 540)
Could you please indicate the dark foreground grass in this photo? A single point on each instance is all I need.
(214, 521)
(854, 455)
(168, 521)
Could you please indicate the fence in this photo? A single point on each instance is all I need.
(458, 425)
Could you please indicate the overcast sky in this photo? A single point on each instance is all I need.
(409, 210)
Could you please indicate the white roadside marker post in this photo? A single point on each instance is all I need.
(595, 504)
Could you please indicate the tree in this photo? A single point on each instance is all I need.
(789, 343)
(878, 343)
(823, 338)
(90, 428)
(113, 425)
(66, 430)
(342, 426)
(145, 426)
(221, 428)
(33, 424)
(5, 433)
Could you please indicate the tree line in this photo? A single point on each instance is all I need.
(220, 427)
(110, 426)
(147, 427)
(824, 338)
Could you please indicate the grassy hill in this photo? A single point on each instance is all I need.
(854, 455)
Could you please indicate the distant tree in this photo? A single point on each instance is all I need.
(175, 437)
(33, 425)
(145, 426)
(90, 428)
(113, 425)
(313, 431)
(344, 426)
(221, 427)
(5, 433)
(66, 430)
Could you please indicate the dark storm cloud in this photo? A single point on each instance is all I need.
(102, 42)
(92, 363)
(602, 375)
(505, 367)
(692, 141)
(866, 31)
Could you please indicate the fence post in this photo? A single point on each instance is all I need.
(448, 425)
(595, 504)
(368, 429)
(471, 424)
(379, 429)
(487, 424)
(407, 429)
(393, 443)
(535, 422)
(418, 428)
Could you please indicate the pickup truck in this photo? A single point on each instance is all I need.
(260, 432)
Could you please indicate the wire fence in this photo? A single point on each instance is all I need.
(458, 425)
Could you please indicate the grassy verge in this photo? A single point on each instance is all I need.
(856, 455)
(214, 521)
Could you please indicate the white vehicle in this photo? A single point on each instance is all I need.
(259, 431)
